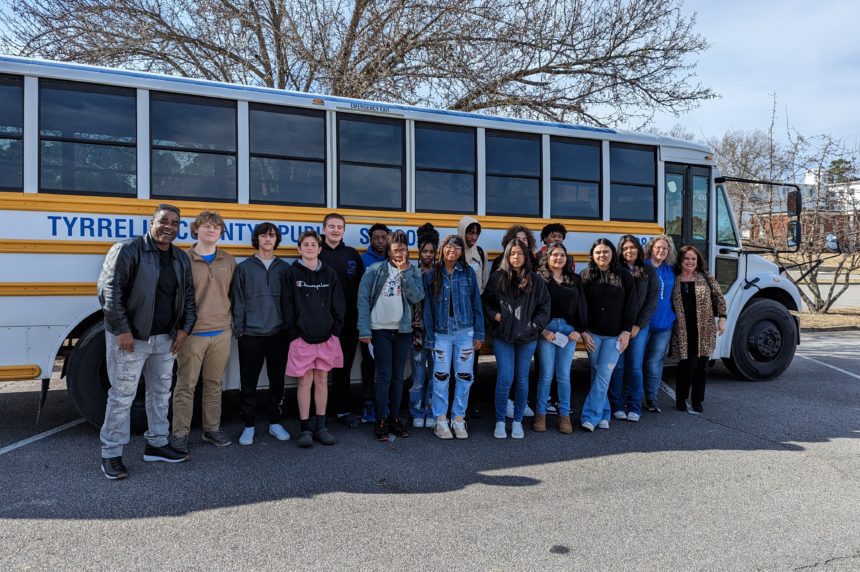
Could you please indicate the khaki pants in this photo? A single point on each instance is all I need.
(201, 357)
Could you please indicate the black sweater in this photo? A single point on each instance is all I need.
(313, 303)
(346, 262)
(524, 316)
(611, 301)
(568, 302)
(647, 292)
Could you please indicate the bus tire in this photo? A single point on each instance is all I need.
(88, 383)
(764, 341)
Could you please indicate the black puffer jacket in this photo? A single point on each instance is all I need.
(127, 284)
(524, 316)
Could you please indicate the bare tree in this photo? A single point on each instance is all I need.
(602, 62)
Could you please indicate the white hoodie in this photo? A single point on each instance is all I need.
(473, 255)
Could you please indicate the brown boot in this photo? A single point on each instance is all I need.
(564, 425)
(539, 423)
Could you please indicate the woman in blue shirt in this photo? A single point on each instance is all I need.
(660, 255)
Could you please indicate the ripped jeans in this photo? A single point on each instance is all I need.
(153, 359)
(453, 347)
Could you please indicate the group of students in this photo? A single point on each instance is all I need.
(306, 319)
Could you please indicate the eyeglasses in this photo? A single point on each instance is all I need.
(454, 248)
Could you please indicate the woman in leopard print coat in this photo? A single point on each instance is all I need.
(698, 302)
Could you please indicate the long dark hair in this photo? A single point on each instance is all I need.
(523, 282)
(593, 272)
(439, 267)
(639, 263)
(567, 275)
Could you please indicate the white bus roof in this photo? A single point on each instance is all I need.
(147, 80)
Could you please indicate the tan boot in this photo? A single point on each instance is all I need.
(564, 425)
(539, 423)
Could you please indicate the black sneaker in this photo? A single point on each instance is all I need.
(166, 454)
(697, 408)
(324, 437)
(395, 425)
(305, 440)
(113, 468)
(380, 430)
(217, 438)
(681, 405)
(180, 443)
(349, 420)
(652, 406)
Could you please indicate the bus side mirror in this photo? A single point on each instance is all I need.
(794, 235)
(794, 204)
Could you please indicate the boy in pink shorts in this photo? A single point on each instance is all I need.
(313, 313)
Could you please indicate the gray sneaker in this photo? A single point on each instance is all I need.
(180, 443)
(217, 438)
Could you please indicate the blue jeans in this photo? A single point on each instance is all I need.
(602, 360)
(390, 351)
(625, 388)
(555, 361)
(512, 364)
(153, 359)
(655, 353)
(445, 347)
(422, 388)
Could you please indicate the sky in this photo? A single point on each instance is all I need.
(806, 52)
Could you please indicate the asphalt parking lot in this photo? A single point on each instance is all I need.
(768, 478)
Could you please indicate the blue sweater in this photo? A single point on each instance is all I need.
(664, 316)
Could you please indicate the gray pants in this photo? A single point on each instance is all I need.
(151, 357)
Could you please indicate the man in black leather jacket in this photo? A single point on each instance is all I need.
(147, 297)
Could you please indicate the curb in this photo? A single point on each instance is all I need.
(833, 329)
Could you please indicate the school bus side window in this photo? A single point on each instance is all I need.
(575, 184)
(370, 155)
(513, 173)
(287, 155)
(193, 147)
(11, 133)
(445, 168)
(87, 138)
(633, 182)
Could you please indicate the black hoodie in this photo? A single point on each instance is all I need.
(313, 303)
(346, 262)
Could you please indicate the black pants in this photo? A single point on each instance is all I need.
(252, 351)
(340, 377)
(392, 350)
(691, 372)
(368, 373)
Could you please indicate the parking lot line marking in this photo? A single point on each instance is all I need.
(667, 390)
(839, 369)
(40, 436)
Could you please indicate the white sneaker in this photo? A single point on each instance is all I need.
(517, 430)
(620, 415)
(277, 431)
(429, 422)
(459, 428)
(604, 424)
(442, 430)
(418, 422)
(528, 412)
(634, 417)
(587, 426)
(500, 432)
(247, 436)
(551, 409)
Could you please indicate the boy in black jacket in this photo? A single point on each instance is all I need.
(313, 314)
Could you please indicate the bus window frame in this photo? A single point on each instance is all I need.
(288, 110)
(539, 178)
(366, 118)
(579, 141)
(90, 87)
(153, 96)
(18, 79)
(448, 127)
(654, 195)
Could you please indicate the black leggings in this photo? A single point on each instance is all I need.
(691, 372)
(252, 351)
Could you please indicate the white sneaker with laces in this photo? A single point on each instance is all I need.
(500, 432)
(442, 430)
(247, 436)
(418, 422)
(634, 417)
(587, 426)
(277, 431)
(604, 424)
(459, 428)
(517, 430)
(429, 422)
(528, 412)
(620, 415)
